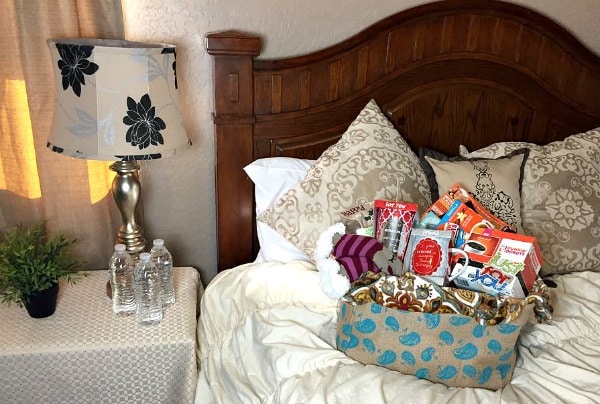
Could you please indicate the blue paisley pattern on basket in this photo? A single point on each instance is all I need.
(441, 336)
(424, 353)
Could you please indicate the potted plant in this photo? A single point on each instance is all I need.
(31, 264)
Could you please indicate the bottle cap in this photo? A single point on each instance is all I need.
(158, 241)
(119, 247)
(145, 256)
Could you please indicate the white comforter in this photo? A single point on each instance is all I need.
(267, 335)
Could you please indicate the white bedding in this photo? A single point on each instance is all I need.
(267, 335)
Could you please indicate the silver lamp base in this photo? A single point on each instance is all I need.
(126, 191)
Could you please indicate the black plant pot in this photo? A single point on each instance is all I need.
(42, 304)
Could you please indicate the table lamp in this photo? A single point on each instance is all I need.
(117, 100)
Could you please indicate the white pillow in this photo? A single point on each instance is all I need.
(272, 178)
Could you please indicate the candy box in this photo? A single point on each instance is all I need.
(393, 222)
(500, 263)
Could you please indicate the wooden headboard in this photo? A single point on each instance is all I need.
(469, 72)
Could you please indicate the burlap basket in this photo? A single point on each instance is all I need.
(452, 349)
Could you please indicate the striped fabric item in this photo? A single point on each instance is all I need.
(355, 253)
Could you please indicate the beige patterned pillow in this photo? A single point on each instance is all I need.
(495, 182)
(371, 160)
(560, 197)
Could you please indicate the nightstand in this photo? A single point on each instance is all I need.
(83, 353)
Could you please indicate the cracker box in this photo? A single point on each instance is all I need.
(500, 263)
(392, 223)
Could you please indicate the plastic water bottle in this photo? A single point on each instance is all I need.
(164, 262)
(120, 269)
(147, 291)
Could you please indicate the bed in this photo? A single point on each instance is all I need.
(473, 79)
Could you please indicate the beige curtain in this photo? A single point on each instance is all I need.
(72, 196)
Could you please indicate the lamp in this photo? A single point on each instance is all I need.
(117, 100)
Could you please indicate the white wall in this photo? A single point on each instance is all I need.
(178, 193)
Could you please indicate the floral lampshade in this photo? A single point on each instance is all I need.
(115, 100)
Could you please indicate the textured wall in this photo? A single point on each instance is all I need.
(178, 193)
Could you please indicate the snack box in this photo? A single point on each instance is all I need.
(441, 206)
(392, 223)
(463, 221)
(458, 193)
(499, 263)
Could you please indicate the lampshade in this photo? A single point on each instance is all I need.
(115, 100)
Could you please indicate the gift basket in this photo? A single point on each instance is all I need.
(442, 295)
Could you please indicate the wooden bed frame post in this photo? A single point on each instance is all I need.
(233, 54)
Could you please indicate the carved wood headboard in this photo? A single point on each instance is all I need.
(470, 72)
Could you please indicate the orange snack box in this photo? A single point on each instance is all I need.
(463, 221)
(445, 201)
(456, 192)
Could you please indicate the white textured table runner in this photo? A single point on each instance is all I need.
(85, 354)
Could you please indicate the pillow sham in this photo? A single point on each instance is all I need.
(560, 197)
(272, 177)
(371, 160)
(495, 182)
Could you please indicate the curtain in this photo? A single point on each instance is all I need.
(71, 195)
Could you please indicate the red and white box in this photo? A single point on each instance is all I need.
(500, 263)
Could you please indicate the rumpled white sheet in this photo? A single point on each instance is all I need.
(266, 334)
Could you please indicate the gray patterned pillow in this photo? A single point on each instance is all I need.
(560, 197)
(370, 161)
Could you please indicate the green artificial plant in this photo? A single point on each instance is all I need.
(31, 262)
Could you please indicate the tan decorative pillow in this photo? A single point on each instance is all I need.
(560, 197)
(495, 182)
(371, 160)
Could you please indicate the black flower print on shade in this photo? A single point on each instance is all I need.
(135, 157)
(145, 127)
(174, 65)
(73, 65)
(55, 149)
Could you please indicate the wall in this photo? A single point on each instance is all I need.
(178, 193)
